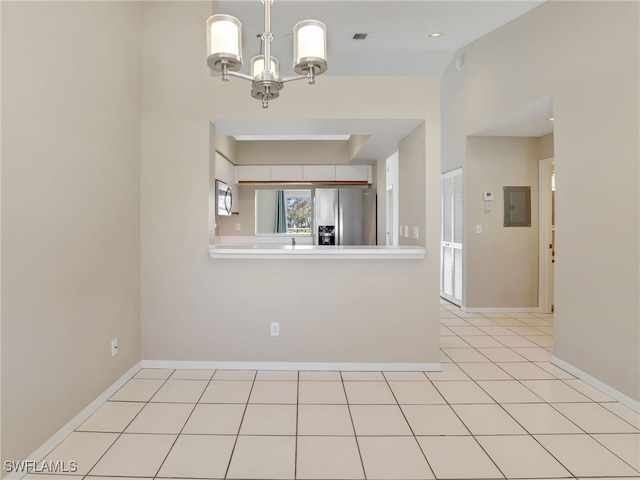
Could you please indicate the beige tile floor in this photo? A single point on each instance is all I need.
(498, 409)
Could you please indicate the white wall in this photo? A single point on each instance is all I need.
(70, 210)
(412, 198)
(545, 146)
(195, 308)
(501, 263)
(586, 55)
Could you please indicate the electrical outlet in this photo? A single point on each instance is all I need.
(275, 329)
(238, 227)
(478, 228)
(416, 233)
(114, 347)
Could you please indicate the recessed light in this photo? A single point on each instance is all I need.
(436, 34)
(550, 119)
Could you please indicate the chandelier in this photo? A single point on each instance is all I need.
(224, 53)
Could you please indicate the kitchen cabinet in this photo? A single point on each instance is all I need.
(254, 173)
(304, 173)
(286, 173)
(353, 173)
(319, 173)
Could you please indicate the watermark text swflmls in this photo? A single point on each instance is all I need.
(46, 466)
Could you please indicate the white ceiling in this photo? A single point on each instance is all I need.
(384, 134)
(398, 43)
(529, 121)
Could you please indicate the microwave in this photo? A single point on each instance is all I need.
(224, 198)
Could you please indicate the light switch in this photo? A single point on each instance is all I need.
(478, 228)
(406, 231)
(416, 233)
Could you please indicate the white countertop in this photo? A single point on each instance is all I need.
(342, 252)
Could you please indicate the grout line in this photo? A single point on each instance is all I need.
(468, 429)
(183, 425)
(233, 449)
(413, 434)
(120, 434)
(614, 453)
(620, 417)
(353, 425)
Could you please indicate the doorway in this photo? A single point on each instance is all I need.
(451, 237)
(546, 242)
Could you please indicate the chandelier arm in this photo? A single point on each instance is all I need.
(242, 75)
(291, 79)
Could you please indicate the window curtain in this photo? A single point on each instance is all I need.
(281, 213)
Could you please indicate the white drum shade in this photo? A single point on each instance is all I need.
(309, 46)
(224, 42)
(257, 66)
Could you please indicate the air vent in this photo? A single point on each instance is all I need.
(360, 36)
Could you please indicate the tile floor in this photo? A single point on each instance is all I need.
(498, 409)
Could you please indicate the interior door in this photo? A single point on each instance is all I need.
(451, 237)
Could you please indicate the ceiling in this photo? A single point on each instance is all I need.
(532, 120)
(384, 134)
(397, 43)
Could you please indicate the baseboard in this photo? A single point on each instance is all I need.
(500, 309)
(597, 384)
(450, 299)
(324, 366)
(75, 422)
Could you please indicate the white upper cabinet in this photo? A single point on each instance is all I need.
(319, 173)
(254, 173)
(353, 173)
(304, 173)
(286, 173)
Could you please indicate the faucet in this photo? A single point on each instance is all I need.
(293, 242)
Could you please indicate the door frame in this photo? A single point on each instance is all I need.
(545, 229)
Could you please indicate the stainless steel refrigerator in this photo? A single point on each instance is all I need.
(345, 216)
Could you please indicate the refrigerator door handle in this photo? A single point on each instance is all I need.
(340, 223)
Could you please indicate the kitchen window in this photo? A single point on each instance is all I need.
(283, 212)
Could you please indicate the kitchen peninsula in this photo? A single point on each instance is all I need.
(317, 252)
(347, 307)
